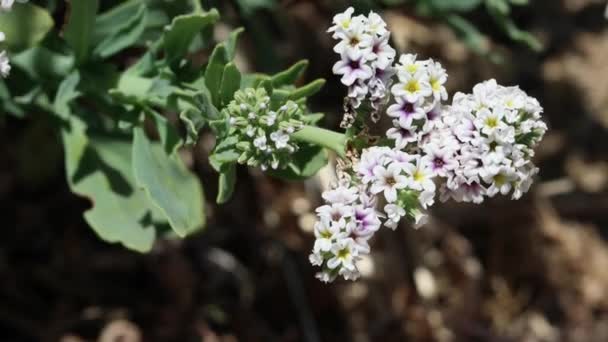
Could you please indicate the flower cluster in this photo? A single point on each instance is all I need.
(262, 133)
(487, 139)
(5, 67)
(418, 96)
(479, 146)
(403, 181)
(346, 222)
(366, 57)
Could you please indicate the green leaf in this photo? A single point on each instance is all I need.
(25, 25)
(291, 75)
(231, 82)
(66, 94)
(215, 71)
(124, 35)
(231, 43)
(7, 103)
(107, 24)
(168, 134)
(42, 64)
(196, 110)
(79, 30)
(307, 161)
(453, 5)
(169, 185)
(227, 180)
(250, 6)
(307, 90)
(179, 35)
(99, 168)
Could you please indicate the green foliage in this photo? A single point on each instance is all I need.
(79, 31)
(169, 185)
(179, 35)
(454, 12)
(99, 168)
(25, 26)
(123, 126)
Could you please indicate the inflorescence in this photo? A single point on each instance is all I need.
(366, 58)
(262, 133)
(5, 67)
(479, 146)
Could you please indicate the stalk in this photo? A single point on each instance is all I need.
(322, 137)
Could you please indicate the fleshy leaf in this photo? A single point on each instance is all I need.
(215, 71)
(227, 181)
(79, 30)
(231, 82)
(123, 35)
(42, 64)
(38, 22)
(99, 168)
(179, 35)
(175, 190)
(291, 75)
(307, 90)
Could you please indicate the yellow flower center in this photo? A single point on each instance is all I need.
(343, 253)
(345, 23)
(418, 176)
(412, 86)
(435, 84)
(492, 122)
(500, 179)
(412, 68)
(326, 234)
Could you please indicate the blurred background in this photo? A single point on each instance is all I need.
(530, 270)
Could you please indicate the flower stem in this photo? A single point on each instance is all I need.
(322, 137)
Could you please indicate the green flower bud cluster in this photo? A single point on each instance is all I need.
(263, 128)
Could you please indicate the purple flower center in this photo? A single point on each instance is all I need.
(438, 163)
(360, 215)
(376, 48)
(408, 109)
(432, 115)
(405, 133)
(354, 65)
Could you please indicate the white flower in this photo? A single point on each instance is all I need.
(342, 21)
(402, 136)
(344, 255)
(499, 178)
(326, 234)
(5, 67)
(441, 160)
(336, 212)
(341, 194)
(394, 214)
(408, 65)
(383, 53)
(6, 5)
(489, 120)
(376, 25)
(422, 176)
(352, 67)
(388, 180)
(406, 111)
(437, 79)
(352, 39)
(280, 139)
(260, 143)
(412, 86)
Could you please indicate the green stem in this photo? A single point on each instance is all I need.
(322, 137)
